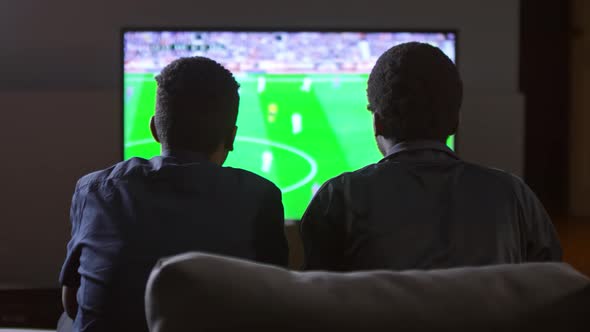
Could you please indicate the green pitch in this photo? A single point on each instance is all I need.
(296, 130)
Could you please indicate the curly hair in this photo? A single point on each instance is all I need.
(196, 104)
(417, 91)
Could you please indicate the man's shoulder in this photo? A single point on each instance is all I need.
(368, 171)
(352, 176)
(139, 169)
(249, 178)
(114, 173)
(493, 174)
(373, 172)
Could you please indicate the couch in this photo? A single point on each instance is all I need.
(202, 292)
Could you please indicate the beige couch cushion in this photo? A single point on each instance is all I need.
(198, 292)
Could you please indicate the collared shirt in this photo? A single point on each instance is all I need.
(421, 207)
(128, 216)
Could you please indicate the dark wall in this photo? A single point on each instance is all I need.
(60, 109)
(545, 82)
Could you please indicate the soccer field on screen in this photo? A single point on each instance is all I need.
(297, 130)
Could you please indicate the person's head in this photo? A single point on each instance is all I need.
(196, 108)
(414, 93)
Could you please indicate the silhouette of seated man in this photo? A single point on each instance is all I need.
(128, 216)
(421, 206)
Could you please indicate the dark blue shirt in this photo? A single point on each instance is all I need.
(421, 207)
(128, 216)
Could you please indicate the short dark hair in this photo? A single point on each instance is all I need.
(417, 91)
(197, 104)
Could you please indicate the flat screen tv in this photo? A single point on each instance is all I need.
(303, 115)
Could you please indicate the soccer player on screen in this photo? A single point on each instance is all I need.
(421, 206)
(128, 216)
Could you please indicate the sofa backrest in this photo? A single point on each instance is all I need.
(201, 292)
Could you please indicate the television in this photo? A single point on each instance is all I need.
(303, 115)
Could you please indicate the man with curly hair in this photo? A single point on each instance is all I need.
(128, 216)
(421, 206)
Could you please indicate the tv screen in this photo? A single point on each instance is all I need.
(303, 115)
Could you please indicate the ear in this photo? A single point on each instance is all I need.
(378, 124)
(153, 129)
(229, 141)
(456, 126)
(458, 123)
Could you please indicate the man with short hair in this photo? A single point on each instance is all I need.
(421, 207)
(128, 216)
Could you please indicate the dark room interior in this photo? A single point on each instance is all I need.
(524, 65)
